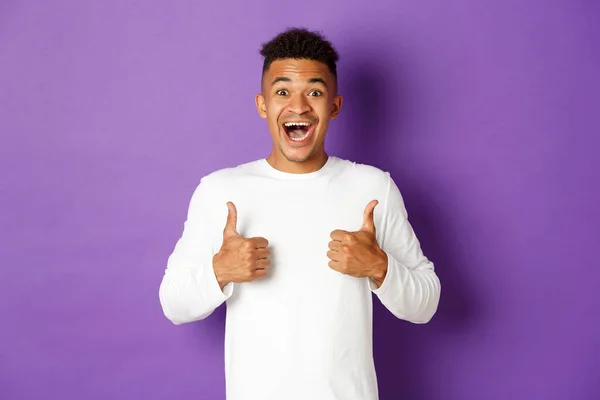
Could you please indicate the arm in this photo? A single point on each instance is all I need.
(410, 289)
(189, 290)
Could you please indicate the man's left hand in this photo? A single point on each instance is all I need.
(357, 253)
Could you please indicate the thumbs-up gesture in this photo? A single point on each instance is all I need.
(357, 253)
(240, 259)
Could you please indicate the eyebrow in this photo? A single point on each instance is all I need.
(280, 79)
(318, 80)
(311, 80)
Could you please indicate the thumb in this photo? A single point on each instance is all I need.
(368, 222)
(231, 225)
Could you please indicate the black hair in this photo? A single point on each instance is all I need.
(300, 44)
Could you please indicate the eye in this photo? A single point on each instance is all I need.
(315, 93)
(282, 92)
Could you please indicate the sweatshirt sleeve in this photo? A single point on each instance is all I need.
(189, 290)
(410, 289)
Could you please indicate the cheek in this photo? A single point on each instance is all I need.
(273, 116)
(273, 120)
(324, 109)
(273, 110)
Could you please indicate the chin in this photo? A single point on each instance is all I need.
(303, 155)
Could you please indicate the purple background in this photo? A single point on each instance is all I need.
(487, 114)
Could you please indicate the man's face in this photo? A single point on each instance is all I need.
(298, 99)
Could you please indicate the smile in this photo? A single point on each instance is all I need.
(298, 131)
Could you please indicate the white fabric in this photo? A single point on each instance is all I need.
(304, 331)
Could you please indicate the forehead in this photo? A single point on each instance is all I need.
(298, 70)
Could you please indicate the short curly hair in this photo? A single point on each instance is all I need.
(300, 44)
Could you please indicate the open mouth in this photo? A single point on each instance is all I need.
(297, 131)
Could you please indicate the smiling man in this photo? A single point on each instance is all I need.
(299, 98)
(297, 245)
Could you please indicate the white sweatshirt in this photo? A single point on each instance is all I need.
(304, 331)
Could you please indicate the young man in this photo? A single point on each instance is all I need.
(296, 244)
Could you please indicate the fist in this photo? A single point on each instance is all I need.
(357, 253)
(240, 259)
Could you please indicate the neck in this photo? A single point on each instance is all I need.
(314, 163)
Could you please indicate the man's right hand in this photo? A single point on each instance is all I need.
(240, 259)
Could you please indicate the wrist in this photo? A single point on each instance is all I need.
(219, 272)
(380, 269)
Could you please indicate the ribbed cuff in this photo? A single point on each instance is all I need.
(390, 275)
(213, 293)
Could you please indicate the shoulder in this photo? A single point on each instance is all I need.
(225, 176)
(364, 173)
(224, 180)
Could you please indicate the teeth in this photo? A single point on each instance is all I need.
(300, 138)
(288, 124)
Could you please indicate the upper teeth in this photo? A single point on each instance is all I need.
(297, 124)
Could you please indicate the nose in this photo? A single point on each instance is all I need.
(299, 104)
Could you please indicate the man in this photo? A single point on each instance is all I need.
(296, 244)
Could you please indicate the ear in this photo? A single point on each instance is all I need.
(336, 106)
(261, 106)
